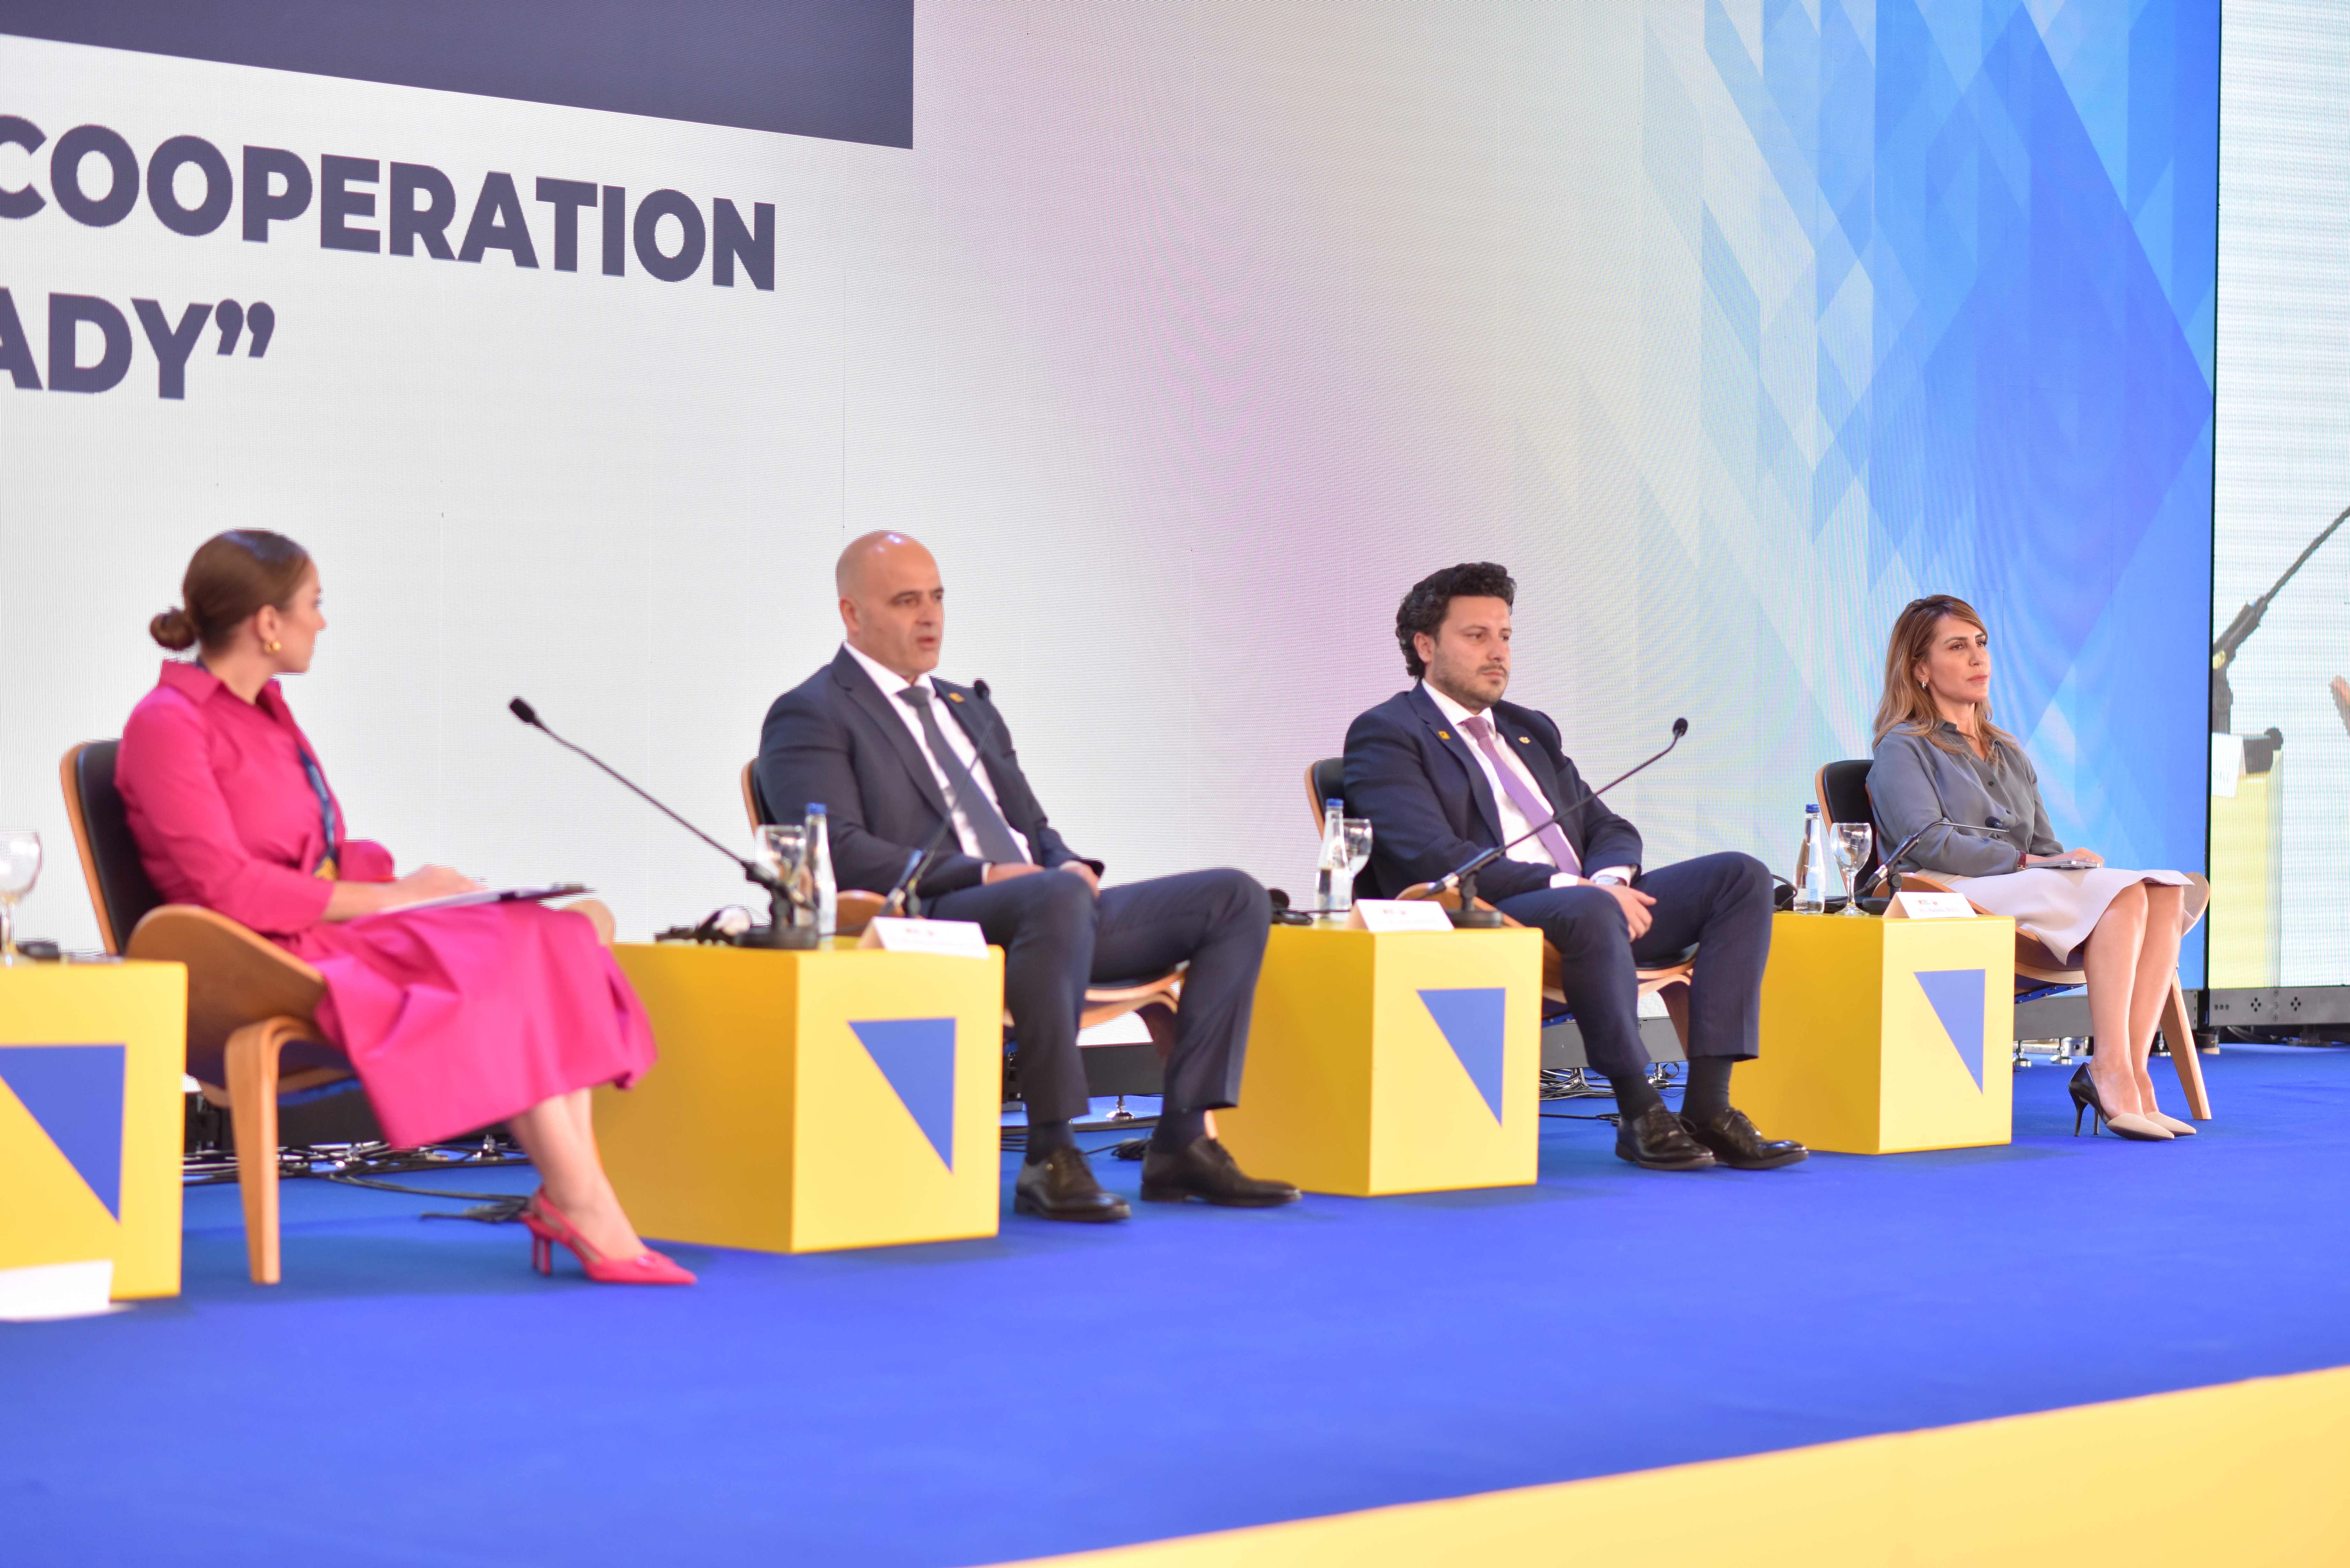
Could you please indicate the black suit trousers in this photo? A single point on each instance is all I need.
(1057, 936)
(1720, 902)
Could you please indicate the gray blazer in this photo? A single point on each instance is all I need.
(1911, 781)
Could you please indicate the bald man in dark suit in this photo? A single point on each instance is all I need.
(893, 753)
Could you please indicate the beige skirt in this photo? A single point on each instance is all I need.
(2060, 908)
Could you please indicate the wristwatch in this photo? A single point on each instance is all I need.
(1609, 880)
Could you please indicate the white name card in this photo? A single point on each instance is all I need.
(1399, 915)
(44, 1291)
(1935, 906)
(952, 938)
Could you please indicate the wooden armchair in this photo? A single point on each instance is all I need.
(252, 1039)
(1155, 997)
(1325, 781)
(1842, 791)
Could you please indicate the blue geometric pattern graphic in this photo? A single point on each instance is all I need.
(1958, 998)
(1470, 1019)
(75, 1092)
(1959, 275)
(918, 1057)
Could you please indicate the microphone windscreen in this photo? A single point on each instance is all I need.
(524, 711)
(1680, 728)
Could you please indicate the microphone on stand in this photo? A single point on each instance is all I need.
(1885, 866)
(902, 892)
(782, 932)
(1465, 876)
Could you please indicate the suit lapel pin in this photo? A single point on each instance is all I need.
(1443, 735)
(1525, 741)
(954, 696)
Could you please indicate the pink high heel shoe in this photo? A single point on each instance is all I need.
(548, 1227)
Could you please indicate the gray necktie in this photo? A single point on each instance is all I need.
(996, 843)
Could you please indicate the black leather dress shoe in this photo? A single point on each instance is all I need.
(1656, 1140)
(1204, 1169)
(1061, 1185)
(1735, 1142)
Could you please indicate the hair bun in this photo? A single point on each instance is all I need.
(174, 628)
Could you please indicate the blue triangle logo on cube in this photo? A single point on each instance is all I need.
(918, 1057)
(1957, 995)
(75, 1092)
(1471, 1019)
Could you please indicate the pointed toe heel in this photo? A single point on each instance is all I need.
(2125, 1124)
(548, 1228)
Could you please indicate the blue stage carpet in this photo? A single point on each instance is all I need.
(413, 1395)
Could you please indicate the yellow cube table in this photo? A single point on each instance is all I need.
(1881, 1036)
(807, 1101)
(1394, 1061)
(92, 1118)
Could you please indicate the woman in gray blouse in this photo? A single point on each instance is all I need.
(1942, 766)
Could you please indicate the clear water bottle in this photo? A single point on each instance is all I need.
(1812, 863)
(1333, 883)
(819, 872)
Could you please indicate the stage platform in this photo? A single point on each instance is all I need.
(413, 1394)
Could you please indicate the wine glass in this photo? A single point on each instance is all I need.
(1852, 841)
(20, 867)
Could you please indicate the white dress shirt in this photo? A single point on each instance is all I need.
(891, 683)
(1513, 821)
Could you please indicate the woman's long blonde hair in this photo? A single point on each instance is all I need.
(1907, 706)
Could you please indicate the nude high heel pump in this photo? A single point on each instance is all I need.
(2126, 1124)
(548, 1227)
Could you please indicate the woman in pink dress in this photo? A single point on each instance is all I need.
(454, 1018)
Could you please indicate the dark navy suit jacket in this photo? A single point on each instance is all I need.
(834, 738)
(1417, 778)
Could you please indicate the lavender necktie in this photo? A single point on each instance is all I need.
(1550, 835)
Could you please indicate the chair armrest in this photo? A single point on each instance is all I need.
(596, 915)
(853, 909)
(235, 977)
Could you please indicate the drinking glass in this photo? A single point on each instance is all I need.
(783, 848)
(20, 867)
(1358, 847)
(1852, 846)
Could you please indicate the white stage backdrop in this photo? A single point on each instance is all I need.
(1187, 336)
(2283, 409)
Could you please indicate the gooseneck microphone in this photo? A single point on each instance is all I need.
(1885, 866)
(779, 894)
(1464, 876)
(902, 892)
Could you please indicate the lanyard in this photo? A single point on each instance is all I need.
(326, 867)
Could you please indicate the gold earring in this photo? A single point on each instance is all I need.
(271, 646)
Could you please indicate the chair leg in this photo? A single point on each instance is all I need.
(252, 1064)
(1675, 999)
(2178, 1032)
(1159, 1020)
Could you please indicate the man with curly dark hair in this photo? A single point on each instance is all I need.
(1448, 768)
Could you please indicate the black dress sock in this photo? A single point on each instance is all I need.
(1634, 1093)
(1709, 1087)
(1044, 1137)
(1177, 1130)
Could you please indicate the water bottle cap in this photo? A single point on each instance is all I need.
(1334, 805)
(815, 808)
(1812, 810)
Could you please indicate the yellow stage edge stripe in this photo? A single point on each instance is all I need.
(2237, 1473)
